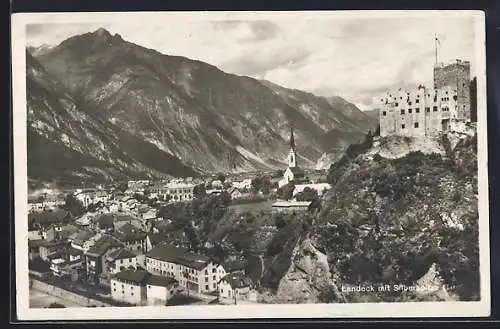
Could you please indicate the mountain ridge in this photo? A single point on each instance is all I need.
(209, 119)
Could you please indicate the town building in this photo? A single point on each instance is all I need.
(236, 286)
(122, 259)
(95, 257)
(180, 191)
(83, 240)
(290, 206)
(129, 286)
(160, 289)
(428, 111)
(293, 172)
(194, 272)
(132, 238)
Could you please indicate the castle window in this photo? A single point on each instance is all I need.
(435, 108)
(417, 110)
(384, 113)
(409, 111)
(427, 109)
(402, 111)
(417, 101)
(402, 126)
(416, 125)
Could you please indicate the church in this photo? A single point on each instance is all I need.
(293, 172)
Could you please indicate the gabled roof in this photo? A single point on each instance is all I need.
(297, 171)
(156, 238)
(176, 255)
(83, 236)
(134, 276)
(48, 217)
(237, 280)
(162, 281)
(121, 253)
(102, 245)
(129, 232)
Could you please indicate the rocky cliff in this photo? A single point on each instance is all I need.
(208, 119)
(308, 280)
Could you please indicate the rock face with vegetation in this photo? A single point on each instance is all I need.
(386, 221)
(308, 280)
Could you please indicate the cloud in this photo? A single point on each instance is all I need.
(356, 58)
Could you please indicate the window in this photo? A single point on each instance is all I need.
(402, 126)
(416, 125)
(215, 285)
(384, 113)
(123, 286)
(206, 287)
(213, 278)
(131, 294)
(396, 104)
(409, 111)
(206, 279)
(417, 110)
(131, 288)
(213, 270)
(222, 290)
(435, 108)
(402, 111)
(206, 272)
(427, 109)
(149, 286)
(114, 289)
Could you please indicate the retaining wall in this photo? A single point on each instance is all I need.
(65, 294)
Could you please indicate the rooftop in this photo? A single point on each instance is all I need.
(282, 203)
(48, 217)
(176, 255)
(135, 276)
(156, 280)
(121, 253)
(102, 245)
(237, 280)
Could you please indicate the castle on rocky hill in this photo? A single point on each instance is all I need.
(426, 111)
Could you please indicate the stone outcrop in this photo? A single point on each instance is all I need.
(308, 280)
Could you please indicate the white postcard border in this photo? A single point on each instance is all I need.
(357, 310)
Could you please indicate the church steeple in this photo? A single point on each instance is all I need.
(292, 156)
(292, 139)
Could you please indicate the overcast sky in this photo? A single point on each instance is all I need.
(358, 59)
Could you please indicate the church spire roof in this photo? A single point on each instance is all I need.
(292, 139)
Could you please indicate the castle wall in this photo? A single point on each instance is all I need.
(457, 76)
(419, 112)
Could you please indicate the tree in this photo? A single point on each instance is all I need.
(199, 191)
(74, 206)
(308, 194)
(257, 183)
(286, 192)
(221, 177)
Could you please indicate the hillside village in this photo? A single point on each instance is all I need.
(121, 236)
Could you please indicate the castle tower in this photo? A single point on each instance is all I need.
(457, 76)
(292, 155)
